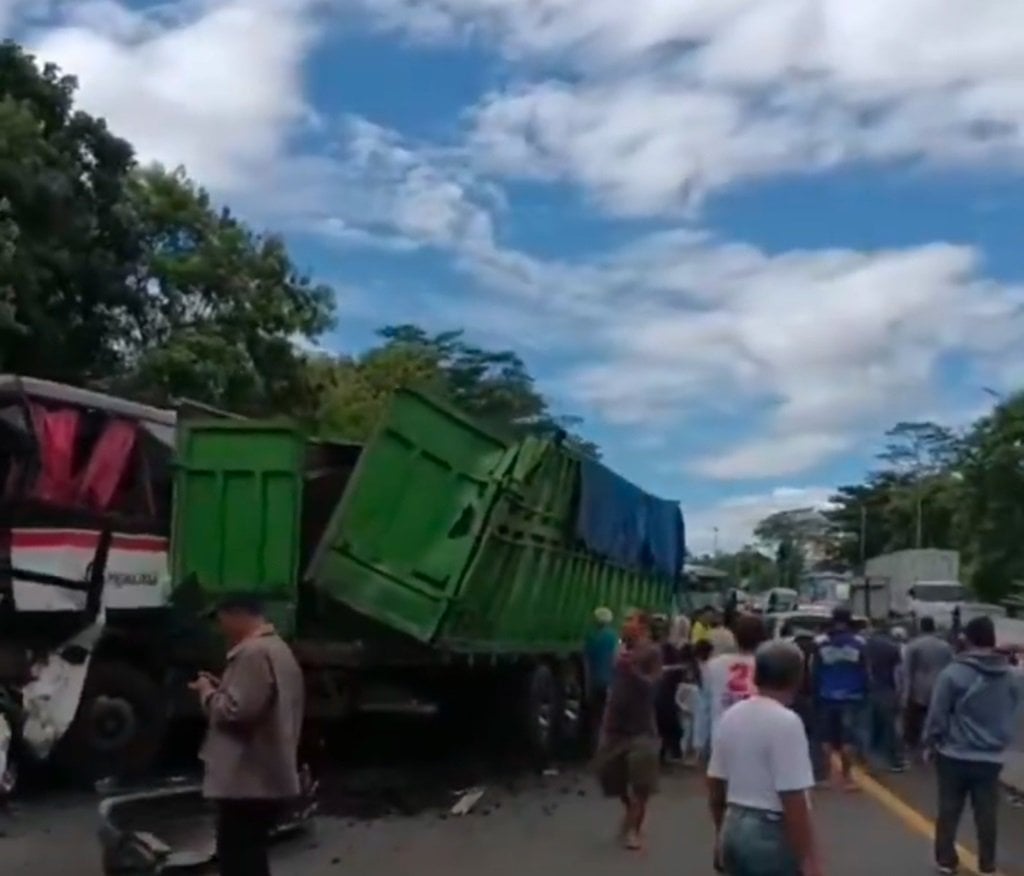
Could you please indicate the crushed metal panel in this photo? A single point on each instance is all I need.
(50, 700)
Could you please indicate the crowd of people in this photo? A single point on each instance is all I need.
(768, 721)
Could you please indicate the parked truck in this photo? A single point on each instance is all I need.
(438, 562)
(919, 583)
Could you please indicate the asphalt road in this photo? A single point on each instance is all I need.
(553, 827)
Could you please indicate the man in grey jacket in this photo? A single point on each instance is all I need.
(923, 660)
(255, 714)
(970, 725)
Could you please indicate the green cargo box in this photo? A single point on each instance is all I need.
(441, 530)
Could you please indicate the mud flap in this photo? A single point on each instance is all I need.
(172, 828)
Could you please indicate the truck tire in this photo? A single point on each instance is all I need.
(541, 705)
(120, 725)
(572, 719)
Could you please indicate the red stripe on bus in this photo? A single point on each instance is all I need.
(41, 539)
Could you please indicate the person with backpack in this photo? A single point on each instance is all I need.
(970, 724)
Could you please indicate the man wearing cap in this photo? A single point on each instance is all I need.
(255, 714)
(599, 649)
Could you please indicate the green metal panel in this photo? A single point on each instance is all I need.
(237, 505)
(532, 586)
(411, 517)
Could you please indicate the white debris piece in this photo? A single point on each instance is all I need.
(467, 801)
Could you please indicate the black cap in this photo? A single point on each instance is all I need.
(842, 615)
(237, 603)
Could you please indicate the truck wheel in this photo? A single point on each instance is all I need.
(120, 724)
(541, 708)
(572, 710)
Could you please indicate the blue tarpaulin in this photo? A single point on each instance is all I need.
(623, 523)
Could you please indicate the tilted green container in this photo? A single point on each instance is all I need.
(444, 532)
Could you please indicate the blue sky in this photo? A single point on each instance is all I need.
(740, 238)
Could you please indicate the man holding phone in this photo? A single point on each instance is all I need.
(255, 715)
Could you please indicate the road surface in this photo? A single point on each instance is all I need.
(554, 827)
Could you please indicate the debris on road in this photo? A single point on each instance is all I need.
(170, 828)
(467, 800)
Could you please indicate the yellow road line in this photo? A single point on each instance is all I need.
(911, 817)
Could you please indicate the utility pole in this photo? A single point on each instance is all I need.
(715, 548)
(863, 558)
(863, 536)
(920, 518)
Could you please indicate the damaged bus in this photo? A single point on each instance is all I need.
(84, 478)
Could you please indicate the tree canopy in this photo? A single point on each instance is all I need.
(131, 279)
(933, 487)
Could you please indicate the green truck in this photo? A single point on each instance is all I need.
(437, 564)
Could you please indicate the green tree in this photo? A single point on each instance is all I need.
(920, 457)
(68, 243)
(224, 306)
(352, 393)
(991, 499)
(790, 534)
(491, 385)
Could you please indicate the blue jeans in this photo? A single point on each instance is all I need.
(754, 844)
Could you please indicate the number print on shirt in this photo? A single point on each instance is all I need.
(740, 685)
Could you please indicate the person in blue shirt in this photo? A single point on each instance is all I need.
(599, 650)
(841, 685)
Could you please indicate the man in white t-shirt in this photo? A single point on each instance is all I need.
(728, 679)
(760, 776)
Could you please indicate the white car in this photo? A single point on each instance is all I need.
(813, 619)
(939, 599)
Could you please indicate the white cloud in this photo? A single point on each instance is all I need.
(671, 101)
(736, 517)
(835, 341)
(216, 86)
(779, 455)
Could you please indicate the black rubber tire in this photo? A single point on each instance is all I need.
(115, 687)
(571, 729)
(541, 704)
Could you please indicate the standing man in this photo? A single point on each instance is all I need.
(883, 662)
(923, 660)
(970, 725)
(760, 776)
(670, 728)
(805, 703)
(627, 754)
(727, 680)
(842, 683)
(599, 649)
(255, 715)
